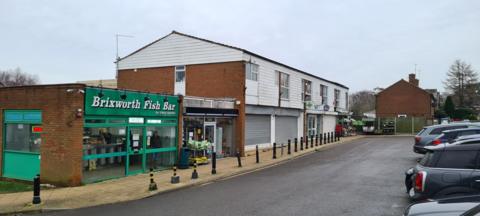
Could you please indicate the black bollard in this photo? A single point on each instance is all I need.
(295, 149)
(316, 140)
(175, 179)
(324, 138)
(320, 138)
(195, 173)
(274, 151)
(331, 137)
(289, 146)
(301, 143)
(214, 163)
(153, 185)
(281, 151)
(36, 190)
(328, 137)
(306, 142)
(257, 156)
(311, 141)
(239, 160)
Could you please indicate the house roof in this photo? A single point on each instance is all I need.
(236, 48)
(412, 85)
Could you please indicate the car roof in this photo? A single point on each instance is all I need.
(456, 146)
(468, 137)
(461, 129)
(453, 124)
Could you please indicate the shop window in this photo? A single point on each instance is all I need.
(20, 137)
(104, 150)
(179, 73)
(157, 138)
(251, 71)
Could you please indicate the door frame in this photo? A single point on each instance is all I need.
(131, 153)
(214, 124)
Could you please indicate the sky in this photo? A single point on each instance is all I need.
(361, 44)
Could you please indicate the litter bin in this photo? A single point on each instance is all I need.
(184, 158)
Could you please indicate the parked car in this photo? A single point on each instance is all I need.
(463, 205)
(427, 134)
(449, 136)
(467, 137)
(445, 170)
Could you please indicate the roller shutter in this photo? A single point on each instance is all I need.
(285, 128)
(257, 129)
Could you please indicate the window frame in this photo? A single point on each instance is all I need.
(324, 94)
(179, 70)
(251, 74)
(284, 85)
(306, 91)
(336, 96)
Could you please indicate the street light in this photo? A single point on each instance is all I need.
(117, 58)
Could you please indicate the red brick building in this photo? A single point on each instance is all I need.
(72, 134)
(405, 99)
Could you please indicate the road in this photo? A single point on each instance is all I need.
(362, 177)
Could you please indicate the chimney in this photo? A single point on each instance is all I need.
(412, 79)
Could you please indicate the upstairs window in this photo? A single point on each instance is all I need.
(180, 73)
(337, 98)
(306, 90)
(324, 94)
(284, 85)
(251, 71)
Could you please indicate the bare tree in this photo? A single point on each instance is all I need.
(361, 102)
(462, 83)
(17, 77)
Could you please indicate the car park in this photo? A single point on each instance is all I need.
(463, 205)
(427, 134)
(445, 170)
(449, 136)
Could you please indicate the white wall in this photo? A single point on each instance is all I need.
(267, 90)
(177, 49)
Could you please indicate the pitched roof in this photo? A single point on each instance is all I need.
(404, 81)
(236, 48)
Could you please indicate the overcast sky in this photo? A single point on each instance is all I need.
(362, 44)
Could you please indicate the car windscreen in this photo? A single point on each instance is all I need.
(421, 132)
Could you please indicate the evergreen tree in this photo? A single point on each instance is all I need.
(449, 107)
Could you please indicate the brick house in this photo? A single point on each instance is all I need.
(266, 101)
(405, 99)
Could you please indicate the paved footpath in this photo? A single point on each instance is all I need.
(136, 187)
(359, 178)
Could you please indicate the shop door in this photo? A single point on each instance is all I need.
(161, 147)
(22, 140)
(136, 151)
(209, 130)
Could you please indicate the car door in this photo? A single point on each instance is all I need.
(454, 173)
(475, 177)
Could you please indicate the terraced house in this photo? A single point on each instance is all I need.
(233, 97)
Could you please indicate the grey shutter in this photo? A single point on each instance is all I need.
(257, 129)
(286, 127)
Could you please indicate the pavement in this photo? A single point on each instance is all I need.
(136, 187)
(362, 177)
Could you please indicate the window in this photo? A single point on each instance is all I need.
(324, 94)
(251, 71)
(427, 159)
(284, 85)
(337, 98)
(346, 100)
(179, 73)
(312, 125)
(19, 137)
(441, 129)
(457, 159)
(306, 90)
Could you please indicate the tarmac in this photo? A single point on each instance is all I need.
(136, 187)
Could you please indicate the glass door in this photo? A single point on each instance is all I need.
(209, 134)
(135, 156)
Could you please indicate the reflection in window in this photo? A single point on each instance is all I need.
(19, 137)
(98, 145)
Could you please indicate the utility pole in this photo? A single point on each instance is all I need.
(117, 56)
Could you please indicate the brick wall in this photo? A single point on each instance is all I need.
(61, 149)
(217, 80)
(404, 98)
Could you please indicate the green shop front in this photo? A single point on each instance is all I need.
(127, 133)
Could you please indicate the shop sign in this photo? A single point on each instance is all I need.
(129, 103)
